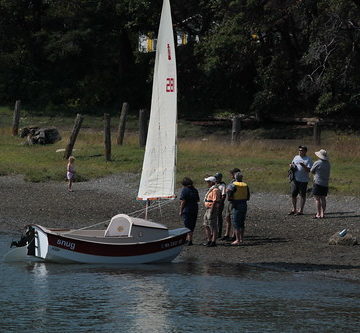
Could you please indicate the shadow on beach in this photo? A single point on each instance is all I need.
(257, 240)
(340, 215)
(303, 267)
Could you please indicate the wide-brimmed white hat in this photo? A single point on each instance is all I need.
(322, 154)
(210, 179)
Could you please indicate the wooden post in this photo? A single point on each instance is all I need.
(142, 127)
(122, 123)
(107, 137)
(77, 125)
(317, 133)
(236, 127)
(16, 118)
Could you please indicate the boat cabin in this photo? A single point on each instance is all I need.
(122, 225)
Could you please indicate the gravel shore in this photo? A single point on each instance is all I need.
(272, 238)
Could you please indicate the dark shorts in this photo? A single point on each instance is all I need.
(319, 190)
(190, 220)
(238, 215)
(298, 188)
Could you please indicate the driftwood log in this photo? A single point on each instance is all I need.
(41, 136)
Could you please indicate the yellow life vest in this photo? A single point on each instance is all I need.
(241, 192)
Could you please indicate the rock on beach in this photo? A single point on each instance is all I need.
(347, 240)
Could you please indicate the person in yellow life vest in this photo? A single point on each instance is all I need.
(211, 202)
(239, 194)
(228, 209)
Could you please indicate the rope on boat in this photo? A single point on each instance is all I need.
(136, 213)
(87, 227)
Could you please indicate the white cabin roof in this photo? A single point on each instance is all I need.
(122, 225)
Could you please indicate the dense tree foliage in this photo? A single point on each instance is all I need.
(255, 57)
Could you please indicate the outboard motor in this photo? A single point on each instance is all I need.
(26, 238)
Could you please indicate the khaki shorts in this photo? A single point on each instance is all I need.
(210, 218)
(228, 208)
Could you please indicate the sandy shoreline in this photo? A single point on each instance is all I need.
(272, 239)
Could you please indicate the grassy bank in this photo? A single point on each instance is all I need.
(264, 162)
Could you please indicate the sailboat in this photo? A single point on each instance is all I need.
(126, 239)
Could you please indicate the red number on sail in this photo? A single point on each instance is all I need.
(169, 52)
(170, 84)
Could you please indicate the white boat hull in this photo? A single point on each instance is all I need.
(59, 248)
(67, 257)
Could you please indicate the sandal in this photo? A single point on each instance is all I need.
(298, 213)
(291, 213)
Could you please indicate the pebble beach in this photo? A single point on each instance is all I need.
(273, 239)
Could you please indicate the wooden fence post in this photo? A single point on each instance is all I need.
(142, 127)
(122, 123)
(77, 125)
(236, 127)
(107, 137)
(317, 133)
(16, 118)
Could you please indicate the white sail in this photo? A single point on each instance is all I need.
(158, 173)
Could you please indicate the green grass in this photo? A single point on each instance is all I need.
(264, 162)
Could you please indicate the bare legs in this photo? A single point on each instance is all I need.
(70, 185)
(294, 203)
(320, 204)
(189, 237)
(239, 235)
(211, 235)
(208, 233)
(301, 202)
(228, 226)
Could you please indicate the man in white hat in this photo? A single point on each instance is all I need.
(211, 202)
(321, 172)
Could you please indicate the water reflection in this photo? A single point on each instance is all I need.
(178, 297)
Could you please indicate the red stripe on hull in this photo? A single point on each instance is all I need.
(114, 250)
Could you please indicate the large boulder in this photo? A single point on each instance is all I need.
(348, 239)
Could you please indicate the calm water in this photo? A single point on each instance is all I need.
(177, 297)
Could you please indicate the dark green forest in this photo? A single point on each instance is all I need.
(260, 58)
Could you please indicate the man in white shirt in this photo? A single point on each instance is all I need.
(301, 165)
